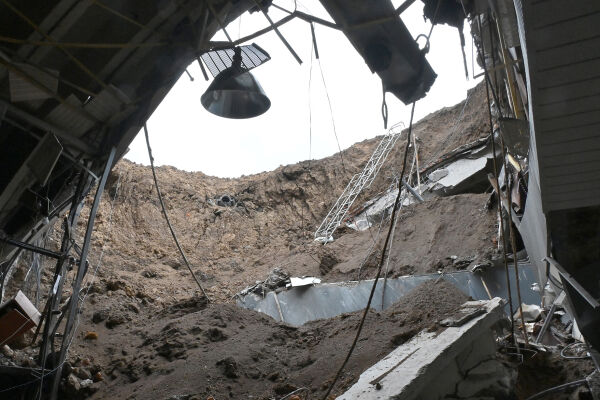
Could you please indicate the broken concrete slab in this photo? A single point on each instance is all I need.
(458, 362)
(461, 176)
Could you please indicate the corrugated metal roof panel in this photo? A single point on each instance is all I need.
(21, 89)
(68, 119)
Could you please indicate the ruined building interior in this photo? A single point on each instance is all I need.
(454, 257)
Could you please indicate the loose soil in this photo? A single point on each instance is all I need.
(222, 351)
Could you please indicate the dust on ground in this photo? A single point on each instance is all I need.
(223, 351)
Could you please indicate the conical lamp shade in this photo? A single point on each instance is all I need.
(235, 95)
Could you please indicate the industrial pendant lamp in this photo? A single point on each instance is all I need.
(235, 93)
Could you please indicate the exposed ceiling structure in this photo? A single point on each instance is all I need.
(78, 80)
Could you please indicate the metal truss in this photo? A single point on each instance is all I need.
(357, 184)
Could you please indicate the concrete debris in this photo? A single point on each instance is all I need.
(459, 362)
(437, 175)
(531, 312)
(464, 170)
(460, 176)
(277, 279)
(7, 351)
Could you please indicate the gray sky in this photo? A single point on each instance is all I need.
(183, 134)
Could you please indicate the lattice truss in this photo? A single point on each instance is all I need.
(357, 184)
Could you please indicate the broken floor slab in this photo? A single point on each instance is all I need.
(458, 363)
(302, 304)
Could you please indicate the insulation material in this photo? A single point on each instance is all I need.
(106, 105)
(22, 89)
(68, 119)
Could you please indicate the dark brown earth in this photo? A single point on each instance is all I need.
(222, 351)
(543, 370)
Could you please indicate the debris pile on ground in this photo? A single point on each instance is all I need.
(223, 351)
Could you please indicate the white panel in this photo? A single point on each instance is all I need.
(68, 119)
(22, 89)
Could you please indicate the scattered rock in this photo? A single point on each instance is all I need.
(229, 367)
(99, 316)
(72, 384)
(282, 389)
(115, 320)
(328, 261)
(91, 335)
(216, 335)
(8, 352)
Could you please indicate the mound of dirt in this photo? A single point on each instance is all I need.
(223, 351)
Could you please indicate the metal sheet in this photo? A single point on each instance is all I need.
(21, 89)
(304, 304)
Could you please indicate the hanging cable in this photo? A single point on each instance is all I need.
(513, 241)
(310, 103)
(481, 52)
(381, 260)
(558, 388)
(164, 211)
(331, 114)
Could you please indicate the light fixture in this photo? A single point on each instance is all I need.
(235, 93)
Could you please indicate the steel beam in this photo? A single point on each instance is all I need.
(81, 270)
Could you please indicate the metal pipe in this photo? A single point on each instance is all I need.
(216, 15)
(31, 247)
(513, 242)
(285, 42)
(219, 46)
(404, 6)
(509, 72)
(314, 39)
(82, 268)
(546, 323)
(412, 191)
(488, 88)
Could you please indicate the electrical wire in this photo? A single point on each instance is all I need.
(381, 260)
(310, 105)
(573, 345)
(164, 211)
(331, 114)
(481, 52)
(300, 390)
(558, 388)
(82, 301)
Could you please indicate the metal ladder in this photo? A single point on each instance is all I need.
(356, 185)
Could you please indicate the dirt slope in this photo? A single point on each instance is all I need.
(275, 215)
(222, 351)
